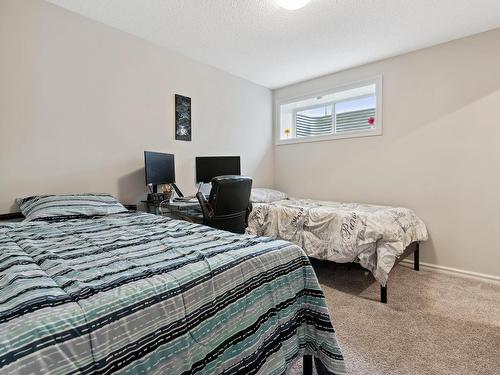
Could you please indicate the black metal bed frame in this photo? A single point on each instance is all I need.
(307, 364)
(11, 216)
(413, 248)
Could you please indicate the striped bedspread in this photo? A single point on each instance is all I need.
(136, 293)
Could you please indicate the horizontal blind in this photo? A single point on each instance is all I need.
(308, 125)
(354, 120)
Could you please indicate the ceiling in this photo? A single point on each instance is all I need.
(274, 47)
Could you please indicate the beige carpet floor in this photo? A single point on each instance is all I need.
(433, 323)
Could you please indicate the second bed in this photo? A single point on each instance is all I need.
(375, 236)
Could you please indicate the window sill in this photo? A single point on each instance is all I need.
(280, 142)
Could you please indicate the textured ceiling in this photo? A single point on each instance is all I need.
(259, 41)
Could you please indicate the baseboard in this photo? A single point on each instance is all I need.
(452, 271)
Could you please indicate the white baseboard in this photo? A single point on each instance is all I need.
(452, 271)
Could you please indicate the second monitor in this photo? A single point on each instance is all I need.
(208, 167)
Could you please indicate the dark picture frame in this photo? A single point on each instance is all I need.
(182, 118)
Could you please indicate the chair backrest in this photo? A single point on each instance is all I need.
(229, 203)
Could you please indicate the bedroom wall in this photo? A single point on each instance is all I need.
(80, 102)
(439, 153)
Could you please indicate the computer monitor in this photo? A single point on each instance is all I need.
(160, 169)
(208, 167)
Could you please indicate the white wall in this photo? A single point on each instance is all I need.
(80, 102)
(439, 154)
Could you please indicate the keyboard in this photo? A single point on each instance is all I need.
(186, 199)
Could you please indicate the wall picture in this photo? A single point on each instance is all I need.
(182, 118)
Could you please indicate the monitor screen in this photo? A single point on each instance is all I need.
(160, 168)
(208, 167)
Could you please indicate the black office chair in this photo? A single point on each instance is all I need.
(229, 204)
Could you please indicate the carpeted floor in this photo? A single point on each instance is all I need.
(434, 323)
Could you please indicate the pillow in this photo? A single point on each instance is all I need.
(261, 195)
(47, 206)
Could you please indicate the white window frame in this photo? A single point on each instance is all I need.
(377, 81)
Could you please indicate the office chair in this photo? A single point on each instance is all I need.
(228, 205)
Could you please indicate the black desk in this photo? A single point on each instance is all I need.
(182, 210)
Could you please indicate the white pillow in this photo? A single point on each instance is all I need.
(262, 195)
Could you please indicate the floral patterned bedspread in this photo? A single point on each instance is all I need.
(341, 232)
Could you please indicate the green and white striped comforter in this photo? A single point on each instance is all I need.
(136, 293)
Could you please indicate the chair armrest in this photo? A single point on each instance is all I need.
(206, 209)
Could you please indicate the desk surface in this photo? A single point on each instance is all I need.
(190, 211)
(176, 205)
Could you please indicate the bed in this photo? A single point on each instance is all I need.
(131, 292)
(375, 237)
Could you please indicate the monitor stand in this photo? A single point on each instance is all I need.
(177, 190)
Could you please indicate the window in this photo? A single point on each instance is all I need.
(349, 111)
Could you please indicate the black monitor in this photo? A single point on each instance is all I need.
(208, 167)
(160, 168)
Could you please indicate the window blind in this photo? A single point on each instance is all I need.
(313, 125)
(354, 120)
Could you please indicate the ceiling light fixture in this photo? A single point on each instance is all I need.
(292, 4)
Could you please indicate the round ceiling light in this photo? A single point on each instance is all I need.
(292, 4)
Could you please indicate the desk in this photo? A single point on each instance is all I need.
(189, 211)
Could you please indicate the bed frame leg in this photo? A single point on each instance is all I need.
(383, 294)
(307, 363)
(416, 258)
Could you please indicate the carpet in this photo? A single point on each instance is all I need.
(434, 323)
